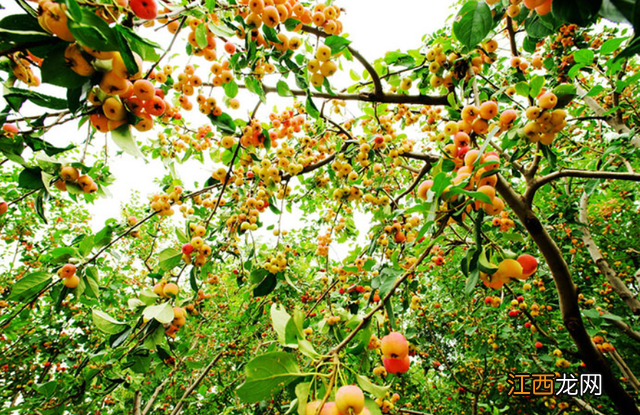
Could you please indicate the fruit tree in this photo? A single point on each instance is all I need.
(326, 233)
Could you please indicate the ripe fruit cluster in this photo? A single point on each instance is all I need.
(68, 275)
(395, 350)
(196, 247)
(545, 122)
(321, 67)
(510, 269)
(163, 203)
(166, 290)
(179, 320)
(70, 174)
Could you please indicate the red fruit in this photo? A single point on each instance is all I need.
(396, 365)
(135, 105)
(3, 207)
(230, 48)
(187, 249)
(527, 325)
(462, 151)
(488, 300)
(395, 346)
(513, 313)
(67, 271)
(155, 106)
(538, 345)
(160, 93)
(529, 264)
(144, 9)
(10, 128)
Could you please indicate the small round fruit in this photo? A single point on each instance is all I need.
(69, 174)
(170, 290)
(529, 264)
(395, 346)
(144, 9)
(67, 271)
(350, 400)
(510, 268)
(71, 282)
(187, 249)
(396, 365)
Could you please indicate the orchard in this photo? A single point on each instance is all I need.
(323, 232)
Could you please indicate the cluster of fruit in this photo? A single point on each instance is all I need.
(541, 7)
(139, 98)
(52, 18)
(164, 289)
(520, 269)
(70, 174)
(179, 320)
(395, 350)
(163, 203)
(196, 247)
(544, 122)
(321, 67)
(68, 275)
(503, 221)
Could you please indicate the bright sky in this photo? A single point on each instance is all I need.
(374, 26)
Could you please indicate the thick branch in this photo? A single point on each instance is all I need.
(617, 125)
(512, 37)
(586, 174)
(368, 97)
(568, 299)
(626, 329)
(423, 172)
(612, 278)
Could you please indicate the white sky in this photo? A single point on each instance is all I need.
(374, 26)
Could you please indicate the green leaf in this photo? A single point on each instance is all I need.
(161, 312)
(47, 388)
(254, 85)
(583, 56)
(372, 406)
(609, 316)
(201, 36)
(611, 45)
(474, 275)
(283, 89)
(522, 89)
(230, 88)
(266, 286)
(105, 323)
(267, 374)
(124, 139)
(579, 12)
(30, 178)
(28, 285)
(210, 5)
(368, 386)
(169, 259)
(22, 28)
(91, 281)
(619, 11)
(387, 280)
(16, 97)
(336, 43)
(538, 28)
(279, 319)
(311, 107)
(224, 122)
(535, 86)
(93, 32)
(473, 23)
(302, 394)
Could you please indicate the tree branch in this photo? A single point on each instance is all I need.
(586, 174)
(612, 277)
(568, 299)
(377, 84)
